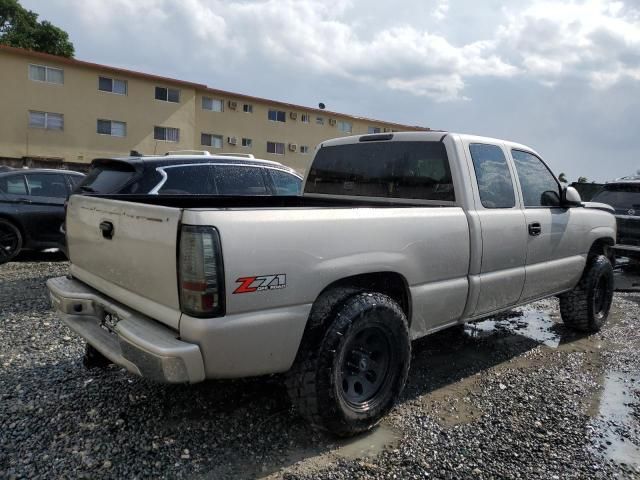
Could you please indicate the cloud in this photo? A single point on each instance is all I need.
(593, 41)
(440, 13)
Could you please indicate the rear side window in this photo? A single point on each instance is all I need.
(75, 180)
(13, 185)
(47, 185)
(410, 170)
(239, 180)
(285, 183)
(189, 180)
(107, 178)
(494, 178)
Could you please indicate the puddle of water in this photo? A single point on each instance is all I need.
(532, 324)
(364, 446)
(369, 444)
(614, 414)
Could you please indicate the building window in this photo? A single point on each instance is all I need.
(211, 140)
(41, 73)
(112, 85)
(212, 104)
(277, 115)
(166, 134)
(304, 118)
(247, 108)
(47, 120)
(247, 142)
(168, 94)
(304, 149)
(373, 130)
(111, 127)
(319, 120)
(275, 148)
(345, 127)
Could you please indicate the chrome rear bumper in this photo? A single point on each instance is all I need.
(136, 342)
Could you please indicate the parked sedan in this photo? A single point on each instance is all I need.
(32, 208)
(191, 174)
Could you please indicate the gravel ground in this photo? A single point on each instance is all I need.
(515, 397)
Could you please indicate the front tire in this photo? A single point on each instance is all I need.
(10, 241)
(349, 381)
(586, 307)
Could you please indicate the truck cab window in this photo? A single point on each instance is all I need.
(494, 178)
(539, 187)
(400, 169)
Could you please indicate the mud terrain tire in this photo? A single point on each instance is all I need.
(352, 377)
(586, 307)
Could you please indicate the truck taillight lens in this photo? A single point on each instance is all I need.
(200, 272)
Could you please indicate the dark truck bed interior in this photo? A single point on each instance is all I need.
(266, 201)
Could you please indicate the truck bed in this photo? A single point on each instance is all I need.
(266, 201)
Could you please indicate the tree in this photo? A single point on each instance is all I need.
(582, 180)
(20, 27)
(562, 177)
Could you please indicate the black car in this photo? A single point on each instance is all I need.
(32, 208)
(624, 196)
(180, 174)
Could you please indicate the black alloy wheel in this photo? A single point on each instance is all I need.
(10, 241)
(365, 367)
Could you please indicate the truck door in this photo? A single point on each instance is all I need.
(553, 262)
(504, 238)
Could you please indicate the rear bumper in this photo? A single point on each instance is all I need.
(138, 343)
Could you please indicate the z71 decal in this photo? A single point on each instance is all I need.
(261, 282)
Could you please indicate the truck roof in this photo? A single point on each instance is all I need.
(428, 136)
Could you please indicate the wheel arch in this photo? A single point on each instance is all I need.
(388, 283)
(601, 246)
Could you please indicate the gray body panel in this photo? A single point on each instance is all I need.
(459, 260)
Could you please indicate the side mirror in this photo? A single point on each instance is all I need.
(570, 197)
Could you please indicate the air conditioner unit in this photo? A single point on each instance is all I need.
(332, 121)
(232, 140)
(233, 105)
(293, 147)
(293, 115)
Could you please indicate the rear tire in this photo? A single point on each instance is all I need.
(349, 380)
(10, 241)
(586, 307)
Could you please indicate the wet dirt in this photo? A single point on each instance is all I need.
(613, 412)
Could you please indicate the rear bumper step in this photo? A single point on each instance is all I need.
(136, 342)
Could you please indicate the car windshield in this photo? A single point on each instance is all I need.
(620, 197)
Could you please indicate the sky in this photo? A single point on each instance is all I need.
(562, 76)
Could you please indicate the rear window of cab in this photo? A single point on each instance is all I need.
(401, 169)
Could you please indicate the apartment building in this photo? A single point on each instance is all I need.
(66, 112)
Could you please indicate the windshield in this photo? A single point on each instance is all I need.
(620, 197)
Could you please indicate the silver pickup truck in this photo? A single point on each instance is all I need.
(396, 236)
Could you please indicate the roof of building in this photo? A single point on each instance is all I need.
(197, 86)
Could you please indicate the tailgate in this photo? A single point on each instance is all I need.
(127, 251)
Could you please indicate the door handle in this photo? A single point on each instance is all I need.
(535, 229)
(24, 200)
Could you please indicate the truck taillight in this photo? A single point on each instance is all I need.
(201, 278)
